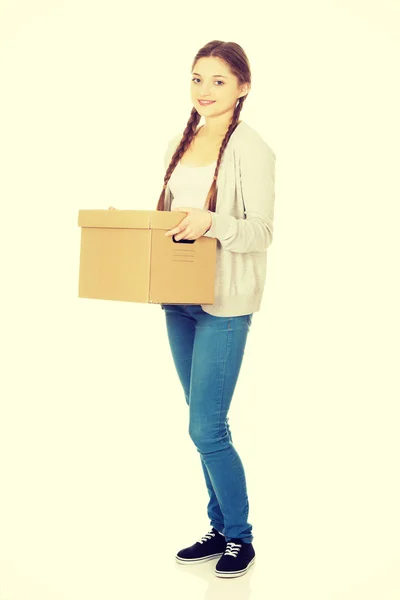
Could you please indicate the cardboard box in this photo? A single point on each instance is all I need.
(126, 256)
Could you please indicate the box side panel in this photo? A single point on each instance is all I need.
(182, 273)
(114, 264)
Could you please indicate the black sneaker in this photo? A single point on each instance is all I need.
(212, 545)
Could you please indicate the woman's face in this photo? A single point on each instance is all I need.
(212, 79)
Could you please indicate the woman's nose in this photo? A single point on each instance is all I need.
(204, 92)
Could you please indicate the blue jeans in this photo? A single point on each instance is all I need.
(207, 352)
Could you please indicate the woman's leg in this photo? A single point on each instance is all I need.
(217, 355)
(213, 508)
(181, 328)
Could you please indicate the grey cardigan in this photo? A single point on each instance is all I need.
(242, 223)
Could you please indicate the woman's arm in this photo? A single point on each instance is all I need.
(257, 175)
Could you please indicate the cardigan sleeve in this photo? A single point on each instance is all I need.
(257, 178)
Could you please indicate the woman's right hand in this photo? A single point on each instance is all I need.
(112, 208)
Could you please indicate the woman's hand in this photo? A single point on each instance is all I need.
(112, 208)
(196, 223)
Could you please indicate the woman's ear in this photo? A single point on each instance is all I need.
(245, 89)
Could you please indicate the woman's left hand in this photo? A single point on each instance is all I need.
(196, 223)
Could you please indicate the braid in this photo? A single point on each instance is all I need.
(211, 200)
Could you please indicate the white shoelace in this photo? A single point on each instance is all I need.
(206, 537)
(231, 550)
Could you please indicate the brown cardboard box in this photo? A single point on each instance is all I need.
(126, 256)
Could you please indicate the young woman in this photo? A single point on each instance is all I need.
(222, 175)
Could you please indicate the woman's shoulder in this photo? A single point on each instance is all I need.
(174, 141)
(248, 138)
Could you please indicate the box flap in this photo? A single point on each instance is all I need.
(130, 219)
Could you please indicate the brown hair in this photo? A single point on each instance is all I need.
(238, 62)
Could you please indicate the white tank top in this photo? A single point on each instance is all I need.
(190, 185)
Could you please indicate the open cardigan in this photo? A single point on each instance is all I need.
(242, 221)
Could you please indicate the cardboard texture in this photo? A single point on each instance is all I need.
(126, 256)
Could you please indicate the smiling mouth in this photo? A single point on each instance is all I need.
(206, 101)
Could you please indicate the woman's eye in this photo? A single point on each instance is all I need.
(218, 80)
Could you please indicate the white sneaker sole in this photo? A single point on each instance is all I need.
(186, 561)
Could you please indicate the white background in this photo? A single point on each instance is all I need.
(100, 483)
